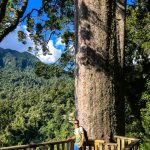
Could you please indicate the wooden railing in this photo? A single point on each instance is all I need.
(133, 146)
(99, 145)
(123, 143)
(61, 145)
(65, 145)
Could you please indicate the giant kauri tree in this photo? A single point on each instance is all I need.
(99, 54)
(99, 67)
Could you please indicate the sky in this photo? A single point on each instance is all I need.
(11, 41)
(55, 45)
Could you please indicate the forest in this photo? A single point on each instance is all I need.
(36, 99)
(32, 108)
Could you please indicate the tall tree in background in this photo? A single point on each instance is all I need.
(99, 67)
(137, 72)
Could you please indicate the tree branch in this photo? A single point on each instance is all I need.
(29, 14)
(3, 7)
(19, 14)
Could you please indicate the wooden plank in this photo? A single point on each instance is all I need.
(106, 147)
(34, 145)
(63, 146)
(122, 143)
(72, 145)
(127, 138)
(90, 147)
(132, 145)
(91, 144)
(129, 141)
(57, 147)
(118, 143)
(84, 147)
(100, 147)
(98, 144)
(46, 147)
(51, 147)
(68, 146)
(99, 141)
(112, 147)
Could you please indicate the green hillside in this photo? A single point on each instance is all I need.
(32, 109)
(13, 59)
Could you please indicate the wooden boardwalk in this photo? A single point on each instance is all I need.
(122, 143)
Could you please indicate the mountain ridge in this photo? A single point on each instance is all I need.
(16, 60)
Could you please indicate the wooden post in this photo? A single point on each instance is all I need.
(122, 143)
(57, 146)
(63, 146)
(106, 147)
(98, 144)
(118, 142)
(129, 141)
(51, 147)
(112, 147)
(69, 146)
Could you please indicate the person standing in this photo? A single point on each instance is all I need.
(78, 136)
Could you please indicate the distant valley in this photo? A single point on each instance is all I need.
(32, 108)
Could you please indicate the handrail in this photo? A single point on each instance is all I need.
(34, 145)
(132, 145)
(123, 137)
(123, 143)
(110, 146)
(99, 145)
(90, 144)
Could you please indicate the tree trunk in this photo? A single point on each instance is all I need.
(99, 67)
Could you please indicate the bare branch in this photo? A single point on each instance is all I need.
(34, 9)
(29, 14)
(50, 36)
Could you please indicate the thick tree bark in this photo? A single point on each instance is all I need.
(99, 67)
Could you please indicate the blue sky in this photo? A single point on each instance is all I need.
(11, 42)
(130, 1)
(32, 4)
(55, 45)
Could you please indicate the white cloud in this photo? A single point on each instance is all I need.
(59, 42)
(11, 42)
(55, 54)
